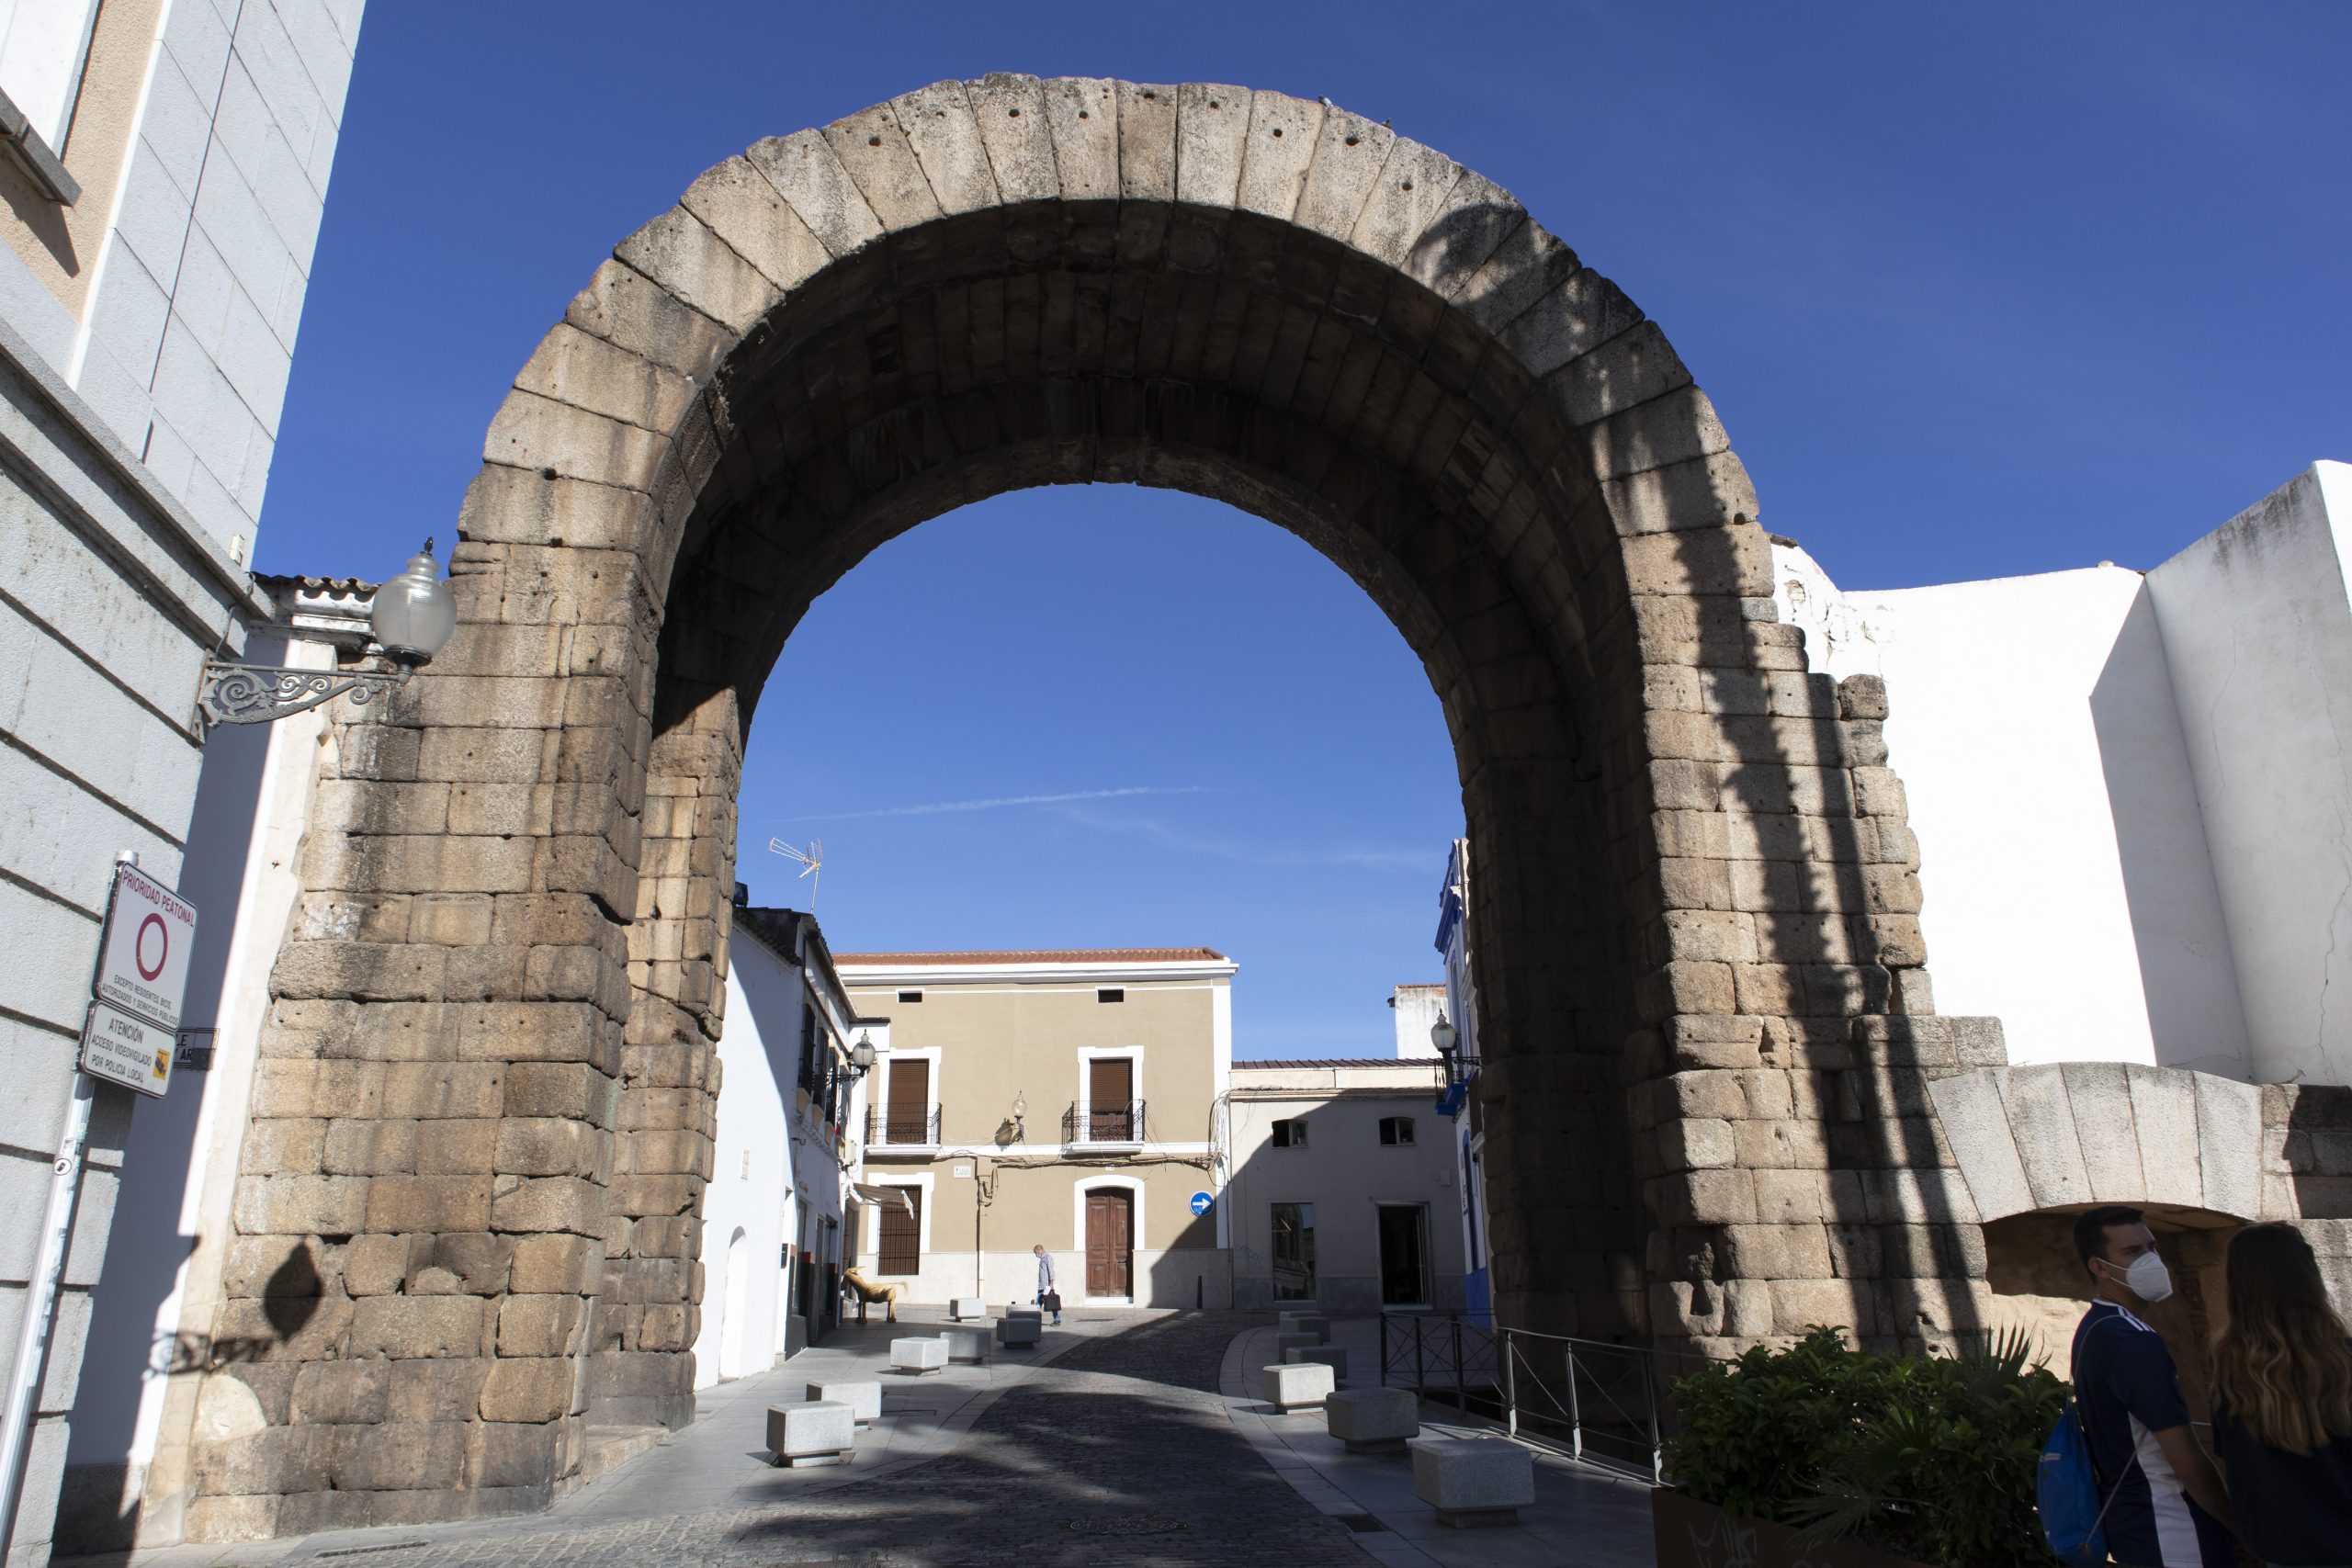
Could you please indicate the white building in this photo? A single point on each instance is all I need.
(2130, 790)
(772, 1238)
(1341, 1189)
(164, 170)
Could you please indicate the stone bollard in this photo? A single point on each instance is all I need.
(1020, 1332)
(864, 1397)
(1473, 1481)
(820, 1432)
(964, 1309)
(966, 1345)
(1372, 1420)
(919, 1358)
(1331, 1356)
(1294, 1385)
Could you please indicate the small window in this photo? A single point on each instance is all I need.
(910, 995)
(1396, 1131)
(1110, 993)
(1291, 1135)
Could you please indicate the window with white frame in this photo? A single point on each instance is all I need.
(1396, 1132)
(1290, 1134)
(44, 46)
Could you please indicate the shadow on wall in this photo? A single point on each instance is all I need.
(2040, 1286)
(2196, 1017)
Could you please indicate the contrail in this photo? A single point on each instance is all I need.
(940, 807)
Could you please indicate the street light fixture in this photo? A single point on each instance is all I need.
(861, 1056)
(412, 619)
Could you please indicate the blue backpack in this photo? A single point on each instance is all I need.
(2066, 1493)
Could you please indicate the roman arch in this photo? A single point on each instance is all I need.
(482, 1118)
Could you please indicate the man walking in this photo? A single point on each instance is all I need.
(2165, 1507)
(1048, 1298)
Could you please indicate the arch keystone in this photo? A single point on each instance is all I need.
(1010, 111)
(1282, 133)
(1349, 152)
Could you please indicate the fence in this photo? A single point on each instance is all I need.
(1606, 1404)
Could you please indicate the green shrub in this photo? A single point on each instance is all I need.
(1930, 1458)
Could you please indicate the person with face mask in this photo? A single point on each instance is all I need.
(2164, 1504)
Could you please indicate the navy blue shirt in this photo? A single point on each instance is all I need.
(2294, 1508)
(2129, 1391)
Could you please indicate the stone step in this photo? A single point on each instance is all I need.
(605, 1449)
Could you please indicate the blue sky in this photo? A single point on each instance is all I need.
(1978, 289)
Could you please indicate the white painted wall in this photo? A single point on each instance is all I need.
(750, 1190)
(2259, 624)
(2131, 790)
(1417, 1009)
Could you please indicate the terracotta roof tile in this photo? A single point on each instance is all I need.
(1034, 955)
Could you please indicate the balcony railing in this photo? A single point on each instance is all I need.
(1119, 1123)
(911, 1125)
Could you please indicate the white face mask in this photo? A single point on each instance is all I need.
(2148, 1278)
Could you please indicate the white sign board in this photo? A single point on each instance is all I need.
(125, 1049)
(150, 934)
(964, 1171)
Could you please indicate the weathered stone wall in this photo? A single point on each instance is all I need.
(468, 1211)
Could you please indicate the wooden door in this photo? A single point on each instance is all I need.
(902, 1246)
(906, 1117)
(1110, 1265)
(1110, 1092)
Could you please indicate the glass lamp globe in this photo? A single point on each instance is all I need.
(1019, 1106)
(415, 613)
(861, 1056)
(1442, 1036)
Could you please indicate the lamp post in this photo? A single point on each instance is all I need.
(412, 619)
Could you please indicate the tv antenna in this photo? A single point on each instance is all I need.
(812, 861)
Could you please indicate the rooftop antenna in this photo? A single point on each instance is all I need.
(812, 861)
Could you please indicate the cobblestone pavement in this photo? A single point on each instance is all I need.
(1125, 1430)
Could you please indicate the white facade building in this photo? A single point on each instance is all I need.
(163, 174)
(2130, 790)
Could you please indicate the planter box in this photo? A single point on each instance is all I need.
(1691, 1534)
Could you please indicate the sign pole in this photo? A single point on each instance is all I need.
(40, 1304)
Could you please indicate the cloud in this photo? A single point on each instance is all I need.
(942, 808)
(1178, 840)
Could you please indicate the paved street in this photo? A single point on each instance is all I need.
(1133, 1439)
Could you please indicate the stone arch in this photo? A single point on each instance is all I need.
(1705, 1012)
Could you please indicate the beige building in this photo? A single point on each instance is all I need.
(1065, 1097)
(1342, 1189)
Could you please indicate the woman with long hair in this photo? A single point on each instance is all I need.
(2282, 1403)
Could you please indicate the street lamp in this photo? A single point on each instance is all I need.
(412, 619)
(861, 1056)
(1020, 1111)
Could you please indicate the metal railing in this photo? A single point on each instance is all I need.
(885, 1125)
(1601, 1403)
(1119, 1122)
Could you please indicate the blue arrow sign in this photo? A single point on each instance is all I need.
(1202, 1202)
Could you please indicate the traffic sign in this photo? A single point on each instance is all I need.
(123, 1048)
(1202, 1202)
(151, 932)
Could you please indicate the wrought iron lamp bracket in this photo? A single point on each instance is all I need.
(257, 693)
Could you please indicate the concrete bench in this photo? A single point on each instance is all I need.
(1372, 1420)
(1473, 1481)
(968, 1344)
(918, 1357)
(821, 1431)
(1020, 1330)
(1331, 1356)
(1308, 1323)
(1294, 1385)
(863, 1398)
(964, 1309)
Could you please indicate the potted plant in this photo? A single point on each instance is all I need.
(1827, 1456)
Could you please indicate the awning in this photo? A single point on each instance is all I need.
(884, 1197)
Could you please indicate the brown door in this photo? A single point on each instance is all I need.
(902, 1246)
(1110, 1092)
(1109, 1263)
(907, 1119)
